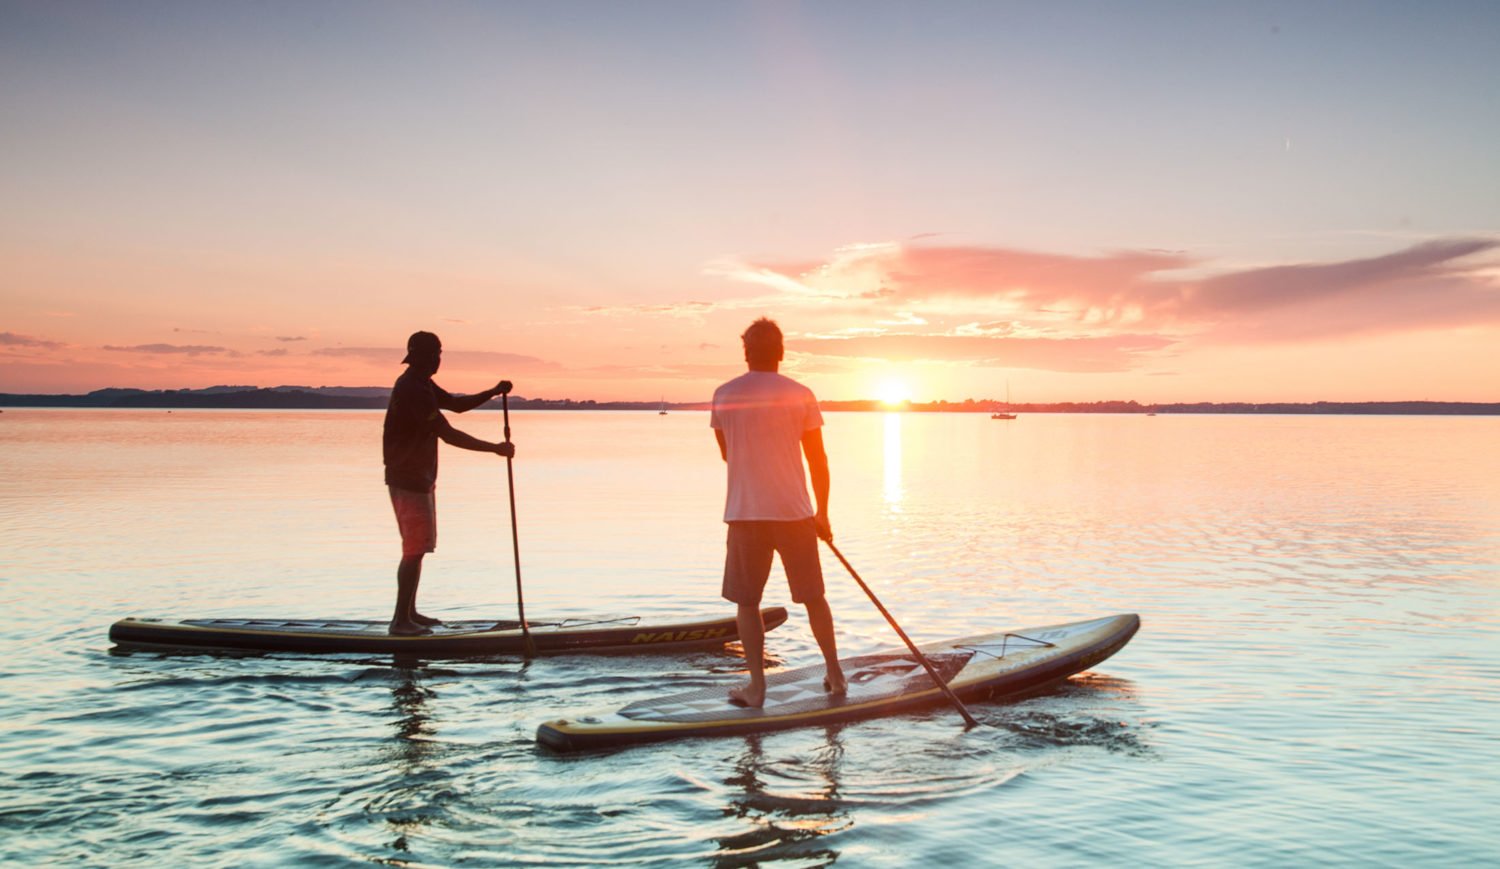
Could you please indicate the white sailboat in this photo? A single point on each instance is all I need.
(1007, 414)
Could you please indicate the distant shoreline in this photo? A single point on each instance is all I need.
(374, 398)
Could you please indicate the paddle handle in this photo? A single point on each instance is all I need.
(927, 665)
(529, 645)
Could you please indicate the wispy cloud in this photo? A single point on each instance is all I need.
(1278, 286)
(290, 338)
(1084, 354)
(692, 310)
(11, 339)
(1036, 278)
(377, 354)
(668, 371)
(173, 349)
(1432, 285)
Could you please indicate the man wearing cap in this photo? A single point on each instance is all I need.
(413, 424)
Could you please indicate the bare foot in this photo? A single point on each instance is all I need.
(747, 696)
(425, 620)
(836, 684)
(408, 629)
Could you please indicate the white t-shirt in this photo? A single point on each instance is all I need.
(763, 416)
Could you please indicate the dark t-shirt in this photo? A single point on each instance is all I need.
(412, 421)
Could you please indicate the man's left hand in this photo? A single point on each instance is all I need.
(501, 388)
(825, 530)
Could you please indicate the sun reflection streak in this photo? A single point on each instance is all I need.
(892, 449)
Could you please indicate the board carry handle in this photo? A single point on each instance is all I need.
(529, 645)
(937, 680)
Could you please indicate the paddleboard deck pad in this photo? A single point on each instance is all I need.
(456, 639)
(984, 667)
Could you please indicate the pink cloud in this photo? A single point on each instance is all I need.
(792, 268)
(1431, 285)
(1041, 278)
(1090, 354)
(914, 272)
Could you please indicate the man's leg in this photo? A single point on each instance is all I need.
(430, 527)
(798, 545)
(408, 576)
(820, 619)
(747, 564)
(753, 638)
(416, 517)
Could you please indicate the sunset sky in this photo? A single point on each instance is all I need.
(1151, 201)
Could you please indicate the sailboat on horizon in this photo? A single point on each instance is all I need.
(1006, 414)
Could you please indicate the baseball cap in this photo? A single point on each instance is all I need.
(421, 345)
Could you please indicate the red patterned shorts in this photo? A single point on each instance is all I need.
(416, 516)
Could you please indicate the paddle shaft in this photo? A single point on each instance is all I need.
(515, 536)
(927, 665)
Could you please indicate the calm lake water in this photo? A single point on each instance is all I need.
(1315, 680)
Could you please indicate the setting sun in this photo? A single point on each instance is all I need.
(894, 393)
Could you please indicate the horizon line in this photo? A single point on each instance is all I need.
(224, 391)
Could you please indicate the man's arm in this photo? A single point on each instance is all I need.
(462, 403)
(723, 446)
(462, 440)
(817, 469)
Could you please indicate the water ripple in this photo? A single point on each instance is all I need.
(1321, 602)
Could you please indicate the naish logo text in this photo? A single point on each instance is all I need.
(679, 636)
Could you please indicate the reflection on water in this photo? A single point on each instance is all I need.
(409, 754)
(1321, 600)
(784, 826)
(892, 454)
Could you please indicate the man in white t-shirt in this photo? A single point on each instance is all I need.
(765, 423)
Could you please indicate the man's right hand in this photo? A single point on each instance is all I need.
(825, 530)
(505, 449)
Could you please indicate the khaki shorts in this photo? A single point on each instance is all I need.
(747, 563)
(416, 516)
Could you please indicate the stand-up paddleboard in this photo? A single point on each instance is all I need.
(456, 639)
(981, 667)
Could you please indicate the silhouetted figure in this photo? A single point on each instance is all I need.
(413, 424)
(765, 423)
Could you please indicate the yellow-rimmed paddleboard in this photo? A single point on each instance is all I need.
(982, 667)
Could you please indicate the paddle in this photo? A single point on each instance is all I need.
(515, 537)
(957, 703)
